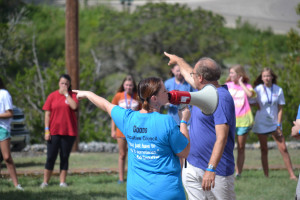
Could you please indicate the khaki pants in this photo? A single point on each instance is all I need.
(192, 181)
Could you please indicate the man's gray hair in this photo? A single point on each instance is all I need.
(208, 69)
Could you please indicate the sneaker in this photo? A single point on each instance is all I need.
(43, 185)
(19, 187)
(63, 185)
(120, 182)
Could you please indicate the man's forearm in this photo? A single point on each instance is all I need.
(219, 146)
(217, 152)
(186, 70)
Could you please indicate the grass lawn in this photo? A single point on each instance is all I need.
(80, 188)
(252, 184)
(77, 161)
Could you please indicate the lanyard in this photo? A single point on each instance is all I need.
(128, 106)
(269, 100)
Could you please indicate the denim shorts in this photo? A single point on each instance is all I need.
(242, 130)
(4, 134)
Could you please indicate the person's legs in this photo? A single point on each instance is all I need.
(224, 188)
(47, 175)
(241, 142)
(285, 154)
(52, 152)
(122, 143)
(66, 144)
(192, 182)
(5, 149)
(263, 140)
(63, 176)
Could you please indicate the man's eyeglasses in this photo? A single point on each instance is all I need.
(192, 74)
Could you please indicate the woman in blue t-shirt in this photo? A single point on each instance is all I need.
(155, 142)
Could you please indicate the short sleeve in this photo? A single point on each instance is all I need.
(253, 100)
(167, 85)
(118, 114)
(281, 100)
(74, 97)
(298, 115)
(116, 99)
(254, 95)
(220, 115)
(177, 140)
(8, 105)
(47, 105)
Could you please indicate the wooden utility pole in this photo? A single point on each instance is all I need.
(72, 53)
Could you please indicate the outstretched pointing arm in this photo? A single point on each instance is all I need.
(185, 68)
(100, 102)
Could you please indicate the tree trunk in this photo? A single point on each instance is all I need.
(72, 53)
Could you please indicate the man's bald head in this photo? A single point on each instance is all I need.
(208, 69)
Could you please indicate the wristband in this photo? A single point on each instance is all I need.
(47, 128)
(182, 121)
(47, 132)
(210, 170)
(279, 124)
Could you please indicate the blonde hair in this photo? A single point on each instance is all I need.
(239, 69)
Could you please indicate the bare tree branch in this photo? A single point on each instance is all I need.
(33, 105)
(97, 63)
(36, 62)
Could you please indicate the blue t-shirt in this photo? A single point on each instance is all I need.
(170, 85)
(298, 115)
(153, 140)
(203, 134)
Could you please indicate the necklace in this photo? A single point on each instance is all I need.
(269, 99)
(128, 106)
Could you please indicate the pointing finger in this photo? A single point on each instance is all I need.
(166, 54)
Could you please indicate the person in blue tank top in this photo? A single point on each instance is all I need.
(177, 82)
(210, 164)
(155, 142)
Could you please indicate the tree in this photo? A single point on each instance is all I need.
(134, 43)
(287, 72)
(289, 77)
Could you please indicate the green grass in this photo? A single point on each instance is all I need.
(77, 161)
(274, 158)
(252, 184)
(110, 160)
(86, 187)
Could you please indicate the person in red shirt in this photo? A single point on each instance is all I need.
(60, 128)
(126, 97)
